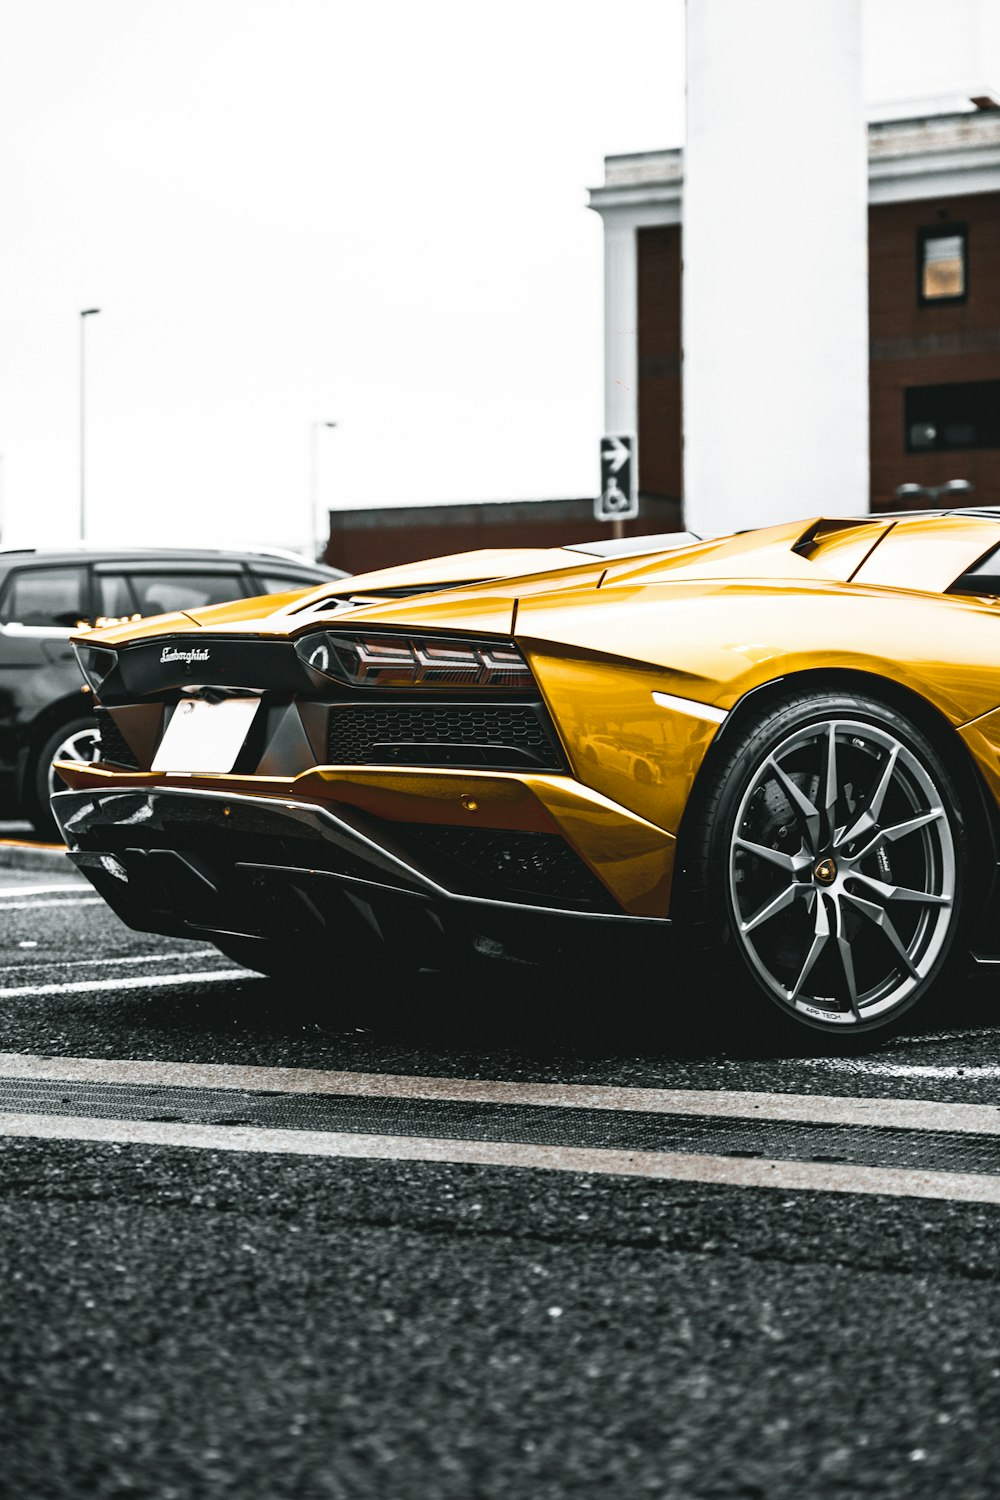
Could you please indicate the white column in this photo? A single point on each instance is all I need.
(621, 294)
(775, 263)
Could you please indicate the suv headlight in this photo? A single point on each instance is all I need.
(96, 663)
(373, 660)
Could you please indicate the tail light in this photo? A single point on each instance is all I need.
(405, 661)
(96, 663)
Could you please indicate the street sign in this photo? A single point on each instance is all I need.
(619, 497)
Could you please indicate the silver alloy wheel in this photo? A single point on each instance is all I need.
(84, 745)
(842, 872)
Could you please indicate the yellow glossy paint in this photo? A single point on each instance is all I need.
(708, 624)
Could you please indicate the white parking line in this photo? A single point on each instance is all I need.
(36, 905)
(823, 1177)
(41, 890)
(811, 1109)
(135, 982)
(132, 958)
(933, 1070)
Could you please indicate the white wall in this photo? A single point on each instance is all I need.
(775, 263)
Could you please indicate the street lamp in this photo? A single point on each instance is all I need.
(85, 313)
(934, 492)
(314, 431)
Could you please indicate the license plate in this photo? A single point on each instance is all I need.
(203, 736)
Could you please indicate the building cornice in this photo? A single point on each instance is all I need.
(942, 156)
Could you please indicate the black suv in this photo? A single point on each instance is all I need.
(45, 594)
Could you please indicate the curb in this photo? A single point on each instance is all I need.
(15, 855)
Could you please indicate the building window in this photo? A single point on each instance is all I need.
(942, 263)
(941, 418)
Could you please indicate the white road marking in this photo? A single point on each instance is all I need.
(41, 890)
(935, 1070)
(823, 1177)
(924, 1037)
(812, 1109)
(36, 905)
(135, 982)
(77, 963)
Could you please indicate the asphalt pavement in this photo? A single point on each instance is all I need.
(504, 1235)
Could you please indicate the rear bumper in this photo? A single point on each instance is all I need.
(197, 863)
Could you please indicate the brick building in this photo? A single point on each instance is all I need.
(934, 302)
(934, 341)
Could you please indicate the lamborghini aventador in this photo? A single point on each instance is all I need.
(776, 753)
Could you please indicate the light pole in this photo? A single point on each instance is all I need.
(314, 431)
(85, 313)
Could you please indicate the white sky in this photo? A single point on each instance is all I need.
(293, 210)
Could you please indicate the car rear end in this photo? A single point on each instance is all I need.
(298, 783)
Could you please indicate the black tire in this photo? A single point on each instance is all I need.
(80, 736)
(824, 912)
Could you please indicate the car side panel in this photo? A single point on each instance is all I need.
(714, 643)
(618, 739)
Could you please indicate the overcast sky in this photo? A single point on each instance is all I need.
(301, 210)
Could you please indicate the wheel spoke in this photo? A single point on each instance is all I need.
(806, 812)
(829, 778)
(773, 856)
(846, 958)
(869, 818)
(898, 831)
(883, 921)
(821, 936)
(771, 908)
(888, 892)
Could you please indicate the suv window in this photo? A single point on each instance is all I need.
(114, 596)
(55, 597)
(281, 583)
(162, 593)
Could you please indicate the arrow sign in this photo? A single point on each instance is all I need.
(615, 453)
(618, 499)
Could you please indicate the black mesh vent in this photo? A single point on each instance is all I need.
(509, 864)
(115, 749)
(497, 736)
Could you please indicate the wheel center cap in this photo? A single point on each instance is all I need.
(825, 871)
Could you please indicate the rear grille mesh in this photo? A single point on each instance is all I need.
(115, 749)
(511, 864)
(495, 736)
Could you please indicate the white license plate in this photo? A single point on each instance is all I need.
(203, 736)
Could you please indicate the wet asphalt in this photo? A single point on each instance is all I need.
(185, 1323)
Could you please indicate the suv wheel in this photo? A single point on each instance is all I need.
(78, 740)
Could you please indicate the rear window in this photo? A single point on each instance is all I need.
(162, 593)
(46, 596)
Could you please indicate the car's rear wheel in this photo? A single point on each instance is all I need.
(829, 848)
(78, 740)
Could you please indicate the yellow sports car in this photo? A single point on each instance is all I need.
(785, 744)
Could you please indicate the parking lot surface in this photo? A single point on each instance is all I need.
(500, 1235)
